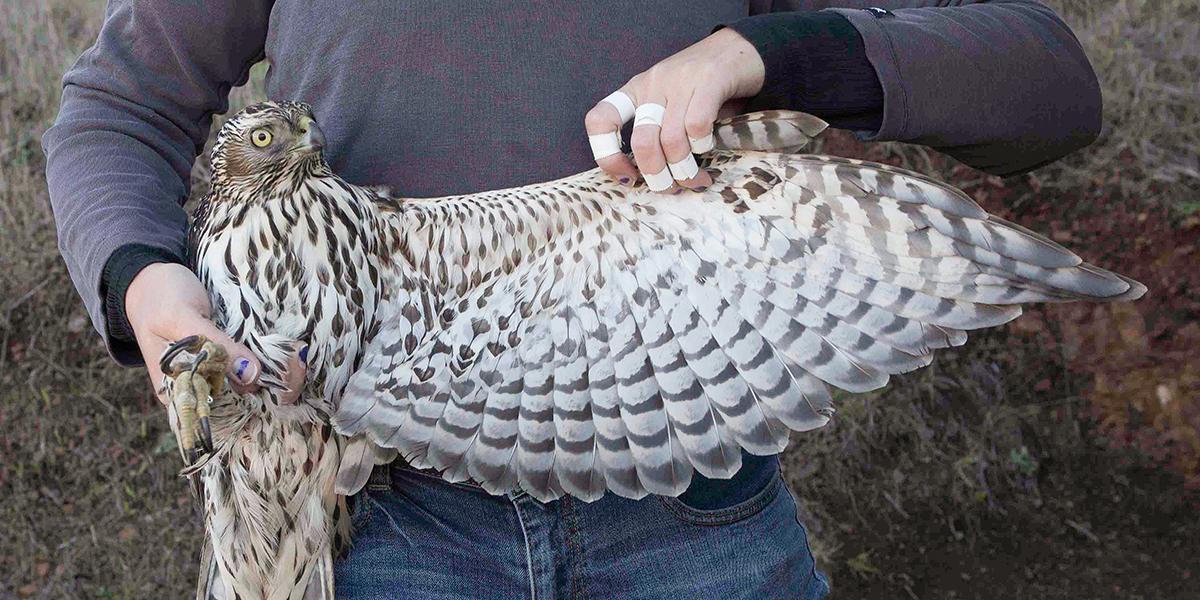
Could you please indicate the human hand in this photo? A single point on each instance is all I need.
(165, 302)
(692, 86)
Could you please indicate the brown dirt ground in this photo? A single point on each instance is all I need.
(1105, 520)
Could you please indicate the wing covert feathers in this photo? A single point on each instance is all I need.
(574, 338)
(767, 131)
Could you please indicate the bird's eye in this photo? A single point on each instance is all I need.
(261, 138)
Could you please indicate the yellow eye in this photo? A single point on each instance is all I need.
(261, 138)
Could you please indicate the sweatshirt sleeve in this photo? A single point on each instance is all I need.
(1003, 85)
(136, 109)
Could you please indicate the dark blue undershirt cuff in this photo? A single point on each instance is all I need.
(816, 62)
(124, 264)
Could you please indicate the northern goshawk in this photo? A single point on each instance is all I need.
(572, 337)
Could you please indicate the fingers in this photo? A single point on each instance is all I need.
(603, 124)
(244, 368)
(730, 108)
(663, 149)
(666, 133)
(294, 376)
(702, 112)
(166, 302)
(690, 86)
(647, 145)
(678, 148)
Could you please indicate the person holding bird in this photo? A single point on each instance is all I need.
(441, 100)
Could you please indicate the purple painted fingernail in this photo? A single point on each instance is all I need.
(677, 192)
(624, 181)
(244, 371)
(304, 355)
(702, 188)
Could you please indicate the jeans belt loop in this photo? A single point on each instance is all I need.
(381, 475)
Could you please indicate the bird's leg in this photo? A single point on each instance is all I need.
(195, 381)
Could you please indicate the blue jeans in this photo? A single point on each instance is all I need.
(417, 536)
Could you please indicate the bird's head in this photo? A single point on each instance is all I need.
(267, 145)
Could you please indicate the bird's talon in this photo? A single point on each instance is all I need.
(206, 440)
(194, 383)
(191, 343)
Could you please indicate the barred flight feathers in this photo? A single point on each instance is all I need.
(574, 338)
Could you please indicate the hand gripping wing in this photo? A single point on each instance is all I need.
(575, 337)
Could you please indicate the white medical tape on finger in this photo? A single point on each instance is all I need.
(649, 114)
(684, 169)
(622, 102)
(605, 144)
(659, 181)
(702, 145)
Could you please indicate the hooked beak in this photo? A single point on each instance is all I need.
(312, 141)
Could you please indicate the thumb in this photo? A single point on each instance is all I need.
(244, 367)
(731, 108)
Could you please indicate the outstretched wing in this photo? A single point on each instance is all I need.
(572, 337)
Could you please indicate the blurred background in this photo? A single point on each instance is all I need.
(1058, 457)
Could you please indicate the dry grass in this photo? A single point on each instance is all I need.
(1146, 54)
(89, 508)
(977, 478)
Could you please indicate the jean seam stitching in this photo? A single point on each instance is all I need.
(813, 573)
(391, 520)
(528, 549)
(575, 543)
